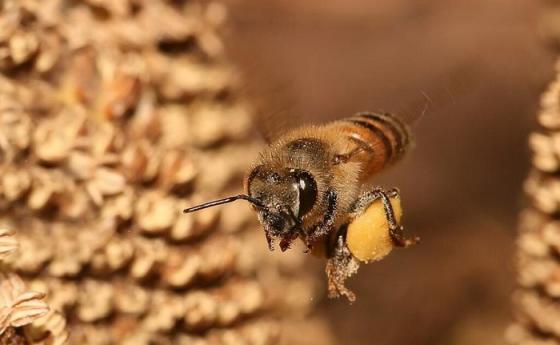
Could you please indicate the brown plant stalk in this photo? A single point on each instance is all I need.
(115, 115)
(536, 301)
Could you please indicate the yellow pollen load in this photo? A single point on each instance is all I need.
(368, 236)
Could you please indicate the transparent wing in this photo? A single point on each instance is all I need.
(452, 85)
(272, 100)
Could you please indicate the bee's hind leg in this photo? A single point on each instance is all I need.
(396, 231)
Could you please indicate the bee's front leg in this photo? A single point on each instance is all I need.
(326, 226)
(396, 231)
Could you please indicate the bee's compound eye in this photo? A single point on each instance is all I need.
(307, 188)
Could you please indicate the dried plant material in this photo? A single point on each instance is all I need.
(549, 27)
(536, 301)
(8, 243)
(19, 307)
(183, 229)
(53, 139)
(240, 300)
(75, 203)
(95, 301)
(120, 207)
(545, 147)
(119, 253)
(35, 250)
(47, 186)
(216, 264)
(235, 218)
(550, 105)
(23, 45)
(48, 329)
(192, 226)
(124, 92)
(111, 125)
(49, 53)
(180, 269)
(15, 184)
(11, 337)
(131, 299)
(156, 212)
(201, 311)
(105, 182)
(15, 129)
(61, 294)
(176, 171)
(165, 311)
(149, 255)
(519, 335)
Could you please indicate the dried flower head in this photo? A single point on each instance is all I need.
(110, 123)
(539, 241)
(19, 307)
(8, 243)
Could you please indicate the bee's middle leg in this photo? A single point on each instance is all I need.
(341, 265)
(396, 231)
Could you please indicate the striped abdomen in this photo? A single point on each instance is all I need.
(381, 139)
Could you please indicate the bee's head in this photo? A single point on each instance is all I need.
(282, 197)
(287, 195)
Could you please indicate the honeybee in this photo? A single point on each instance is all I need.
(310, 183)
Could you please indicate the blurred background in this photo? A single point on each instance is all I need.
(483, 65)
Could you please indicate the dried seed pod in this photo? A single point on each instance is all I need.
(15, 184)
(19, 307)
(201, 311)
(181, 269)
(95, 301)
(156, 212)
(61, 295)
(9, 22)
(176, 171)
(119, 252)
(519, 335)
(131, 299)
(123, 93)
(8, 244)
(49, 53)
(166, 309)
(120, 207)
(149, 255)
(105, 182)
(75, 203)
(15, 129)
(105, 123)
(35, 251)
(216, 264)
(549, 27)
(53, 139)
(538, 242)
(546, 156)
(135, 162)
(23, 45)
(49, 329)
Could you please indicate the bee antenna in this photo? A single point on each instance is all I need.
(229, 199)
